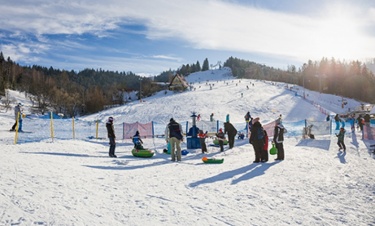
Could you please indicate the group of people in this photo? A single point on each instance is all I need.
(173, 135)
(259, 140)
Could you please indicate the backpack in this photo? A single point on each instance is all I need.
(260, 133)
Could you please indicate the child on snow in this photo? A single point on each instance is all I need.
(202, 140)
(137, 141)
(221, 136)
(340, 139)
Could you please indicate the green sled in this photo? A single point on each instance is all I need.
(216, 142)
(142, 153)
(273, 150)
(213, 161)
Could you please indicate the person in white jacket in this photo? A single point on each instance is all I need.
(278, 139)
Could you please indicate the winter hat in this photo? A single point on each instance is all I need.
(220, 130)
(20, 104)
(137, 133)
(171, 120)
(110, 119)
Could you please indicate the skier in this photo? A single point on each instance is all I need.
(112, 137)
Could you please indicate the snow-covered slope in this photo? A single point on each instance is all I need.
(73, 182)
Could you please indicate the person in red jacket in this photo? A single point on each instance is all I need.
(264, 154)
(202, 140)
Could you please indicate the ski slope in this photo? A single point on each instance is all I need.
(73, 182)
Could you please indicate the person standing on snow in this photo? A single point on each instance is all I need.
(202, 140)
(278, 139)
(18, 117)
(112, 137)
(231, 131)
(340, 139)
(173, 135)
(264, 153)
(257, 139)
(221, 137)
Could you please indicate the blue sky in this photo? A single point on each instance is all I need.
(148, 37)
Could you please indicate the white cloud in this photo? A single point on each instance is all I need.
(335, 30)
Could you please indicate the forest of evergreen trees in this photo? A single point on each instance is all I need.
(88, 91)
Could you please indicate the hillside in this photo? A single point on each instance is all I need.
(73, 182)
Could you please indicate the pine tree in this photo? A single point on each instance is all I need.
(205, 66)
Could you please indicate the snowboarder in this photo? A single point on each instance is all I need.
(340, 139)
(173, 135)
(112, 137)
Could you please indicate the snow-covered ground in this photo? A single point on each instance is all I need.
(61, 181)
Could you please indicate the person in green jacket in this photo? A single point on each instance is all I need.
(340, 139)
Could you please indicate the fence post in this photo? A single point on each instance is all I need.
(51, 123)
(96, 128)
(74, 134)
(17, 126)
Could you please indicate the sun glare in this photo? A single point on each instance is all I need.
(338, 35)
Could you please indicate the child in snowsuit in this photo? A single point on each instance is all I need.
(264, 154)
(340, 139)
(137, 141)
(202, 140)
(221, 136)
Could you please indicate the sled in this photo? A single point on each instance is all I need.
(212, 160)
(142, 153)
(273, 150)
(183, 152)
(216, 141)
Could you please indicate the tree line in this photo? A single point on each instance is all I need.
(88, 91)
(348, 79)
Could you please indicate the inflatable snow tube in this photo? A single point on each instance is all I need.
(142, 153)
(216, 142)
(212, 160)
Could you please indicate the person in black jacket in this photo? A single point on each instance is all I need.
(231, 131)
(257, 139)
(173, 135)
(112, 137)
(278, 139)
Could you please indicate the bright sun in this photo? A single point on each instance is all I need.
(338, 35)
